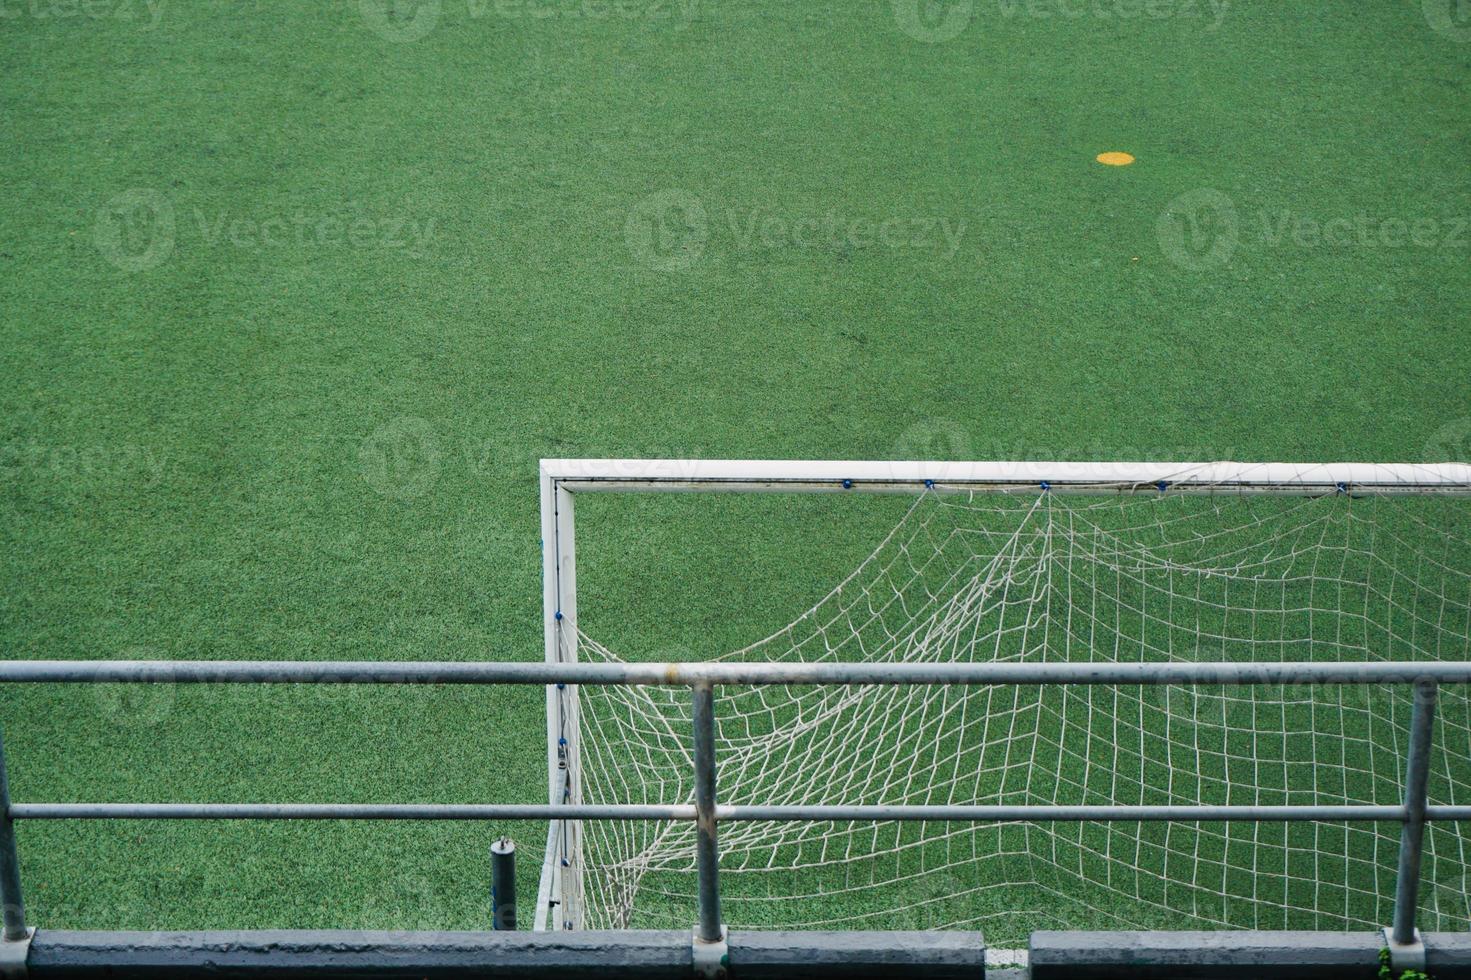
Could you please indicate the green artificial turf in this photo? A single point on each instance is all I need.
(291, 309)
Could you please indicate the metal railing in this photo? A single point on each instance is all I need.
(702, 678)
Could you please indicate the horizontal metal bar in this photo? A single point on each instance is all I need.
(346, 811)
(1298, 479)
(691, 674)
(958, 813)
(1043, 814)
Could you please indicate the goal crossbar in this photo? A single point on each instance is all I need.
(603, 475)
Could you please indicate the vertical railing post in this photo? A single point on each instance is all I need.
(10, 896)
(1412, 835)
(707, 852)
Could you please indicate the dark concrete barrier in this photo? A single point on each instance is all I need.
(287, 955)
(292, 955)
(856, 955)
(1448, 955)
(1232, 955)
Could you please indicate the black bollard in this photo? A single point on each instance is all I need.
(503, 884)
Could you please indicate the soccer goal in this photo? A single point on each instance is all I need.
(1041, 563)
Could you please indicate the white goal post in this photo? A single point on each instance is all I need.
(561, 899)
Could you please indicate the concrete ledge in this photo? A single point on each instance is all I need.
(289, 955)
(1205, 955)
(858, 955)
(1448, 955)
(1233, 955)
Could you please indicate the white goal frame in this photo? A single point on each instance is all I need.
(561, 886)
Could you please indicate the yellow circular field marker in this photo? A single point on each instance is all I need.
(1114, 159)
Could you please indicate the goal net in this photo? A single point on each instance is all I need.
(1037, 575)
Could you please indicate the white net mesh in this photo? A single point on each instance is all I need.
(1049, 577)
